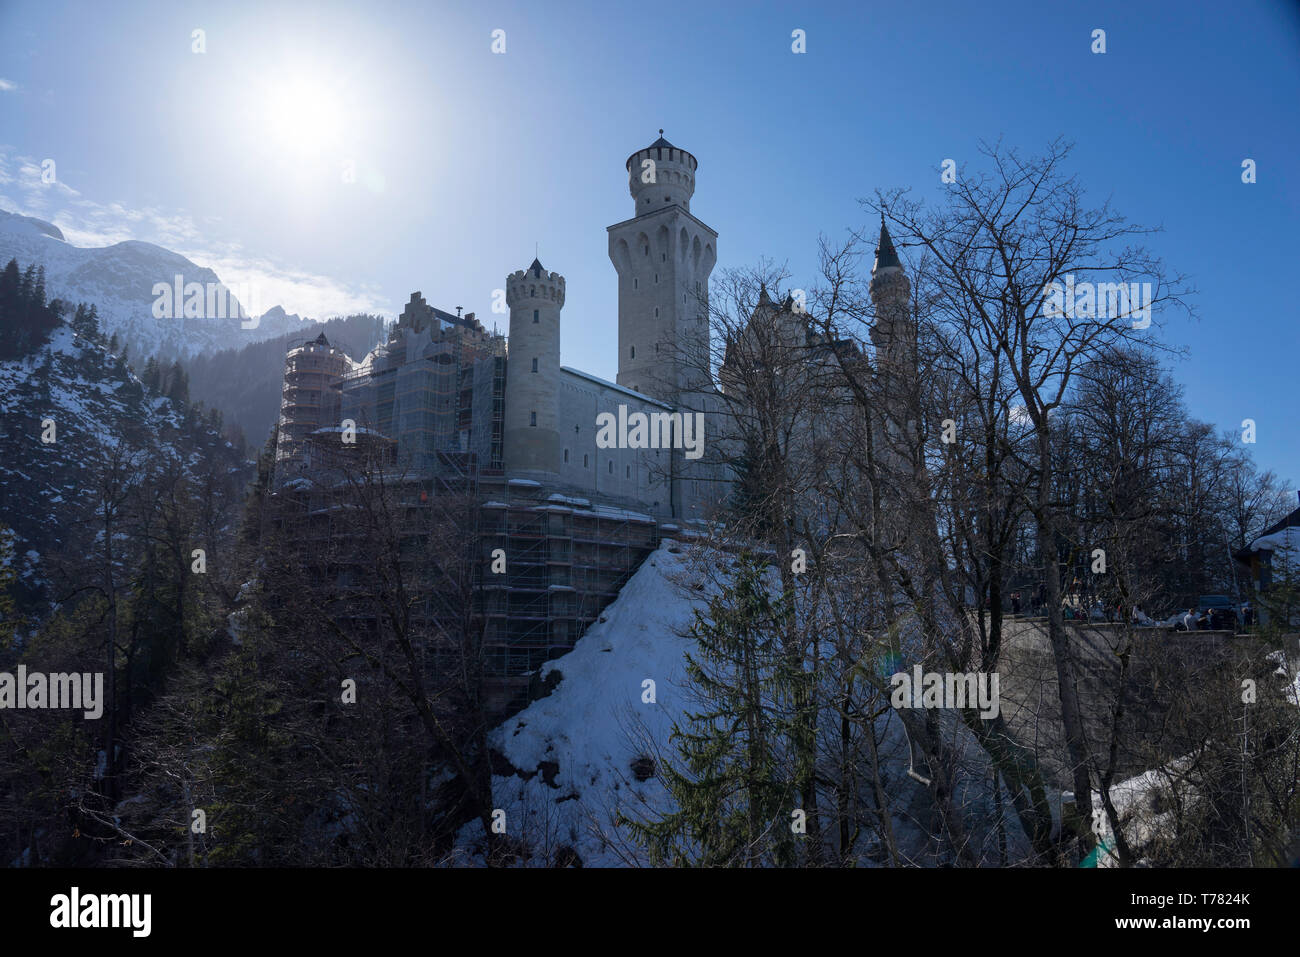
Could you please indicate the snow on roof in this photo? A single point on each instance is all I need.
(580, 502)
(527, 483)
(607, 511)
(358, 430)
(615, 386)
(1286, 540)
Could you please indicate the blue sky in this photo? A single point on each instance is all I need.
(464, 159)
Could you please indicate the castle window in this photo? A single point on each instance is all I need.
(532, 418)
(629, 471)
(566, 456)
(633, 356)
(635, 283)
(610, 463)
(663, 257)
(534, 315)
(656, 279)
(584, 461)
(534, 365)
(656, 312)
(647, 248)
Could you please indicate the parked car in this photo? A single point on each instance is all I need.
(1220, 609)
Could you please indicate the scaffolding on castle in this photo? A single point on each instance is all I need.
(427, 430)
(565, 562)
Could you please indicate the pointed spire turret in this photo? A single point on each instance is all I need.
(885, 254)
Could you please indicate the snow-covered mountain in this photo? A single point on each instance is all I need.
(122, 280)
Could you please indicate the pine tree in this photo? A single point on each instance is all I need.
(13, 623)
(734, 794)
(150, 376)
(178, 386)
(27, 288)
(10, 282)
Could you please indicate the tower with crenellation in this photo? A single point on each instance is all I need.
(664, 256)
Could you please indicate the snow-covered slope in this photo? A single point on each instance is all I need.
(568, 771)
(120, 280)
(574, 748)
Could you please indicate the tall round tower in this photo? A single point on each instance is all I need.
(893, 333)
(531, 437)
(663, 256)
(661, 175)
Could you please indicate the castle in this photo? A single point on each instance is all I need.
(442, 384)
(445, 403)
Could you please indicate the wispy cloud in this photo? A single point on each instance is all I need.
(7, 85)
(87, 222)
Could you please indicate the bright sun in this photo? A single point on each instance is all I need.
(302, 115)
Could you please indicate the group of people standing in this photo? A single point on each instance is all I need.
(1208, 619)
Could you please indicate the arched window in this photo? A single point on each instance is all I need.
(534, 315)
(611, 466)
(633, 356)
(532, 418)
(584, 461)
(566, 456)
(534, 365)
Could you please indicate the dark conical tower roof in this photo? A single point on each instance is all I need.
(321, 340)
(536, 268)
(885, 254)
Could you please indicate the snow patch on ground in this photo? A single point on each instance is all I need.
(577, 745)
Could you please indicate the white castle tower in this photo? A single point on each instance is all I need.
(894, 331)
(663, 256)
(531, 436)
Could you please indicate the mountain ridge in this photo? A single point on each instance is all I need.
(121, 279)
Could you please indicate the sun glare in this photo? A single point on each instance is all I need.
(302, 115)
